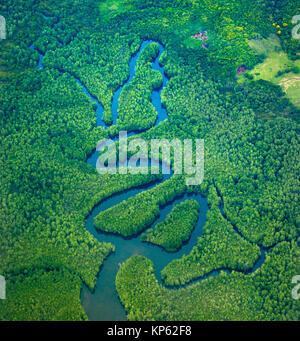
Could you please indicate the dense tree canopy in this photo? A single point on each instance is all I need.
(48, 130)
(176, 228)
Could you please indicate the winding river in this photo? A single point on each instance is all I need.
(103, 304)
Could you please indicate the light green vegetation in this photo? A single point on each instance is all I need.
(110, 8)
(48, 128)
(136, 112)
(234, 297)
(176, 228)
(219, 247)
(277, 67)
(51, 295)
(142, 209)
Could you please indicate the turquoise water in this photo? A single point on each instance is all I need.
(103, 304)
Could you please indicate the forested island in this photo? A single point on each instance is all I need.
(75, 72)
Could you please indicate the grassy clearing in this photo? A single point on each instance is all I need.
(192, 43)
(114, 7)
(276, 61)
(291, 86)
(266, 46)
